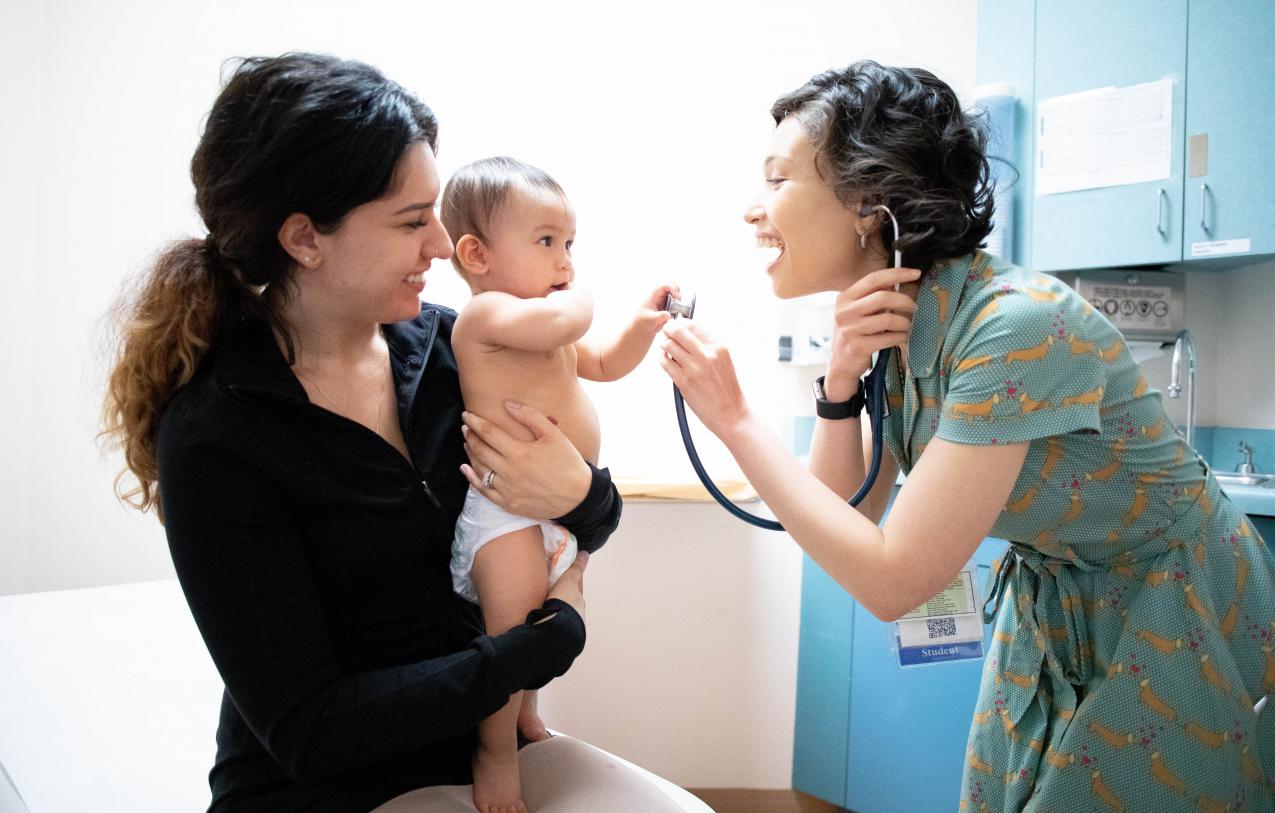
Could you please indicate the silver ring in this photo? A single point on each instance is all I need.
(488, 477)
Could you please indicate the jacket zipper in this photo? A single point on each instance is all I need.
(430, 494)
(425, 354)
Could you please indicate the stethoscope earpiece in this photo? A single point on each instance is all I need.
(867, 209)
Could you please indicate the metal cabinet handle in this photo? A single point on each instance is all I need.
(1204, 188)
(1159, 212)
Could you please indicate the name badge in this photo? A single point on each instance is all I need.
(948, 627)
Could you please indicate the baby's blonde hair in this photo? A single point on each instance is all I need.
(477, 191)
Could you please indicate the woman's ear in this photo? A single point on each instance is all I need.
(299, 238)
(472, 255)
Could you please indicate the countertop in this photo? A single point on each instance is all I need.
(1256, 500)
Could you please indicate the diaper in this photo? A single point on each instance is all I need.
(481, 521)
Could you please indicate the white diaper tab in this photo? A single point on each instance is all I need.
(481, 521)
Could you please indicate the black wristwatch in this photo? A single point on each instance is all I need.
(837, 410)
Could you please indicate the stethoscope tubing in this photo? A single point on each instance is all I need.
(874, 384)
(874, 394)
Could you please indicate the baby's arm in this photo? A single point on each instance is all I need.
(616, 359)
(543, 323)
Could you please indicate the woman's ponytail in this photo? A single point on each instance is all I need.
(163, 330)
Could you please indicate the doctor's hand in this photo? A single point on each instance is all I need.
(703, 371)
(869, 316)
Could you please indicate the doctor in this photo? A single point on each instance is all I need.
(1123, 670)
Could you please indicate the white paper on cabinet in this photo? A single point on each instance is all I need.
(1104, 137)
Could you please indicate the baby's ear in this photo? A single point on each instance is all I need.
(472, 254)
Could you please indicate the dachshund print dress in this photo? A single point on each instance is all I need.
(1136, 605)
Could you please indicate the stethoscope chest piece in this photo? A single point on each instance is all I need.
(679, 307)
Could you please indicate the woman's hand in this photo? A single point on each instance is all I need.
(870, 316)
(703, 371)
(570, 585)
(542, 478)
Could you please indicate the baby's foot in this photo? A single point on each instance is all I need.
(530, 726)
(497, 788)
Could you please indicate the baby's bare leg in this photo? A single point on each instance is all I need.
(511, 580)
(529, 723)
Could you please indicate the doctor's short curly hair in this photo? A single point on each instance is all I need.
(898, 136)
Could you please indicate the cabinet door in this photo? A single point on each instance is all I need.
(909, 725)
(1229, 123)
(1087, 44)
(824, 657)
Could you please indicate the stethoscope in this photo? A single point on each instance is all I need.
(873, 392)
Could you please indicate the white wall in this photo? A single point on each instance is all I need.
(1228, 314)
(691, 663)
(20, 37)
(1243, 394)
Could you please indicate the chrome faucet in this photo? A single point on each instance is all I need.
(1175, 380)
(1247, 466)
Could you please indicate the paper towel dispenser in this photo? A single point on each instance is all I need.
(1144, 305)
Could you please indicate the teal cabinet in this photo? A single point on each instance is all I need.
(1216, 209)
(1230, 129)
(1086, 44)
(867, 727)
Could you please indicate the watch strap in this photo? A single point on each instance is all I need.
(837, 410)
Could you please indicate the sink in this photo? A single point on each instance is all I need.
(1231, 478)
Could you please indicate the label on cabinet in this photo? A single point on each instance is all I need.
(1212, 248)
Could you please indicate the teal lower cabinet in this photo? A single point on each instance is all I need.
(872, 736)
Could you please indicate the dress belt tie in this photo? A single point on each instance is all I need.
(1044, 589)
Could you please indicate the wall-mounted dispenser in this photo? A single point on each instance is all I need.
(1144, 305)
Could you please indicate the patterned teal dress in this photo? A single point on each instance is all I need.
(1136, 604)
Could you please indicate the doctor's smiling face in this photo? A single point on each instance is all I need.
(799, 214)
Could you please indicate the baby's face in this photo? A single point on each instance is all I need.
(529, 250)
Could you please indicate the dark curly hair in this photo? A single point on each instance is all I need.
(898, 136)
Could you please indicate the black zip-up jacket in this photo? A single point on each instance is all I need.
(314, 557)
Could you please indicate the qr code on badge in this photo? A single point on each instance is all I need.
(941, 627)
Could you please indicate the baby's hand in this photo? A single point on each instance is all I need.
(652, 316)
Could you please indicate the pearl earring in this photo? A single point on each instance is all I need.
(863, 239)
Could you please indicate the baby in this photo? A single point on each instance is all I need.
(520, 338)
